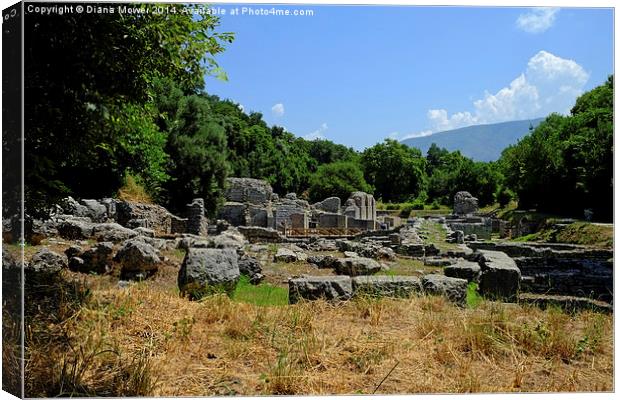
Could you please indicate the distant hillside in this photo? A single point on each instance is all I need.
(480, 142)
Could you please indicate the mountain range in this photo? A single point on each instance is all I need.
(479, 142)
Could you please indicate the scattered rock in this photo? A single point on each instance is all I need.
(75, 229)
(454, 289)
(95, 210)
(229, 239)
(320, 287)
(73, 251)
(465, 270)
(252, 268)
(323, 261)
(388, 286)
(285, 255)
(46, 263)
(112, 232)
(500, 277)
(97, 259)
(206, 271)
(137, 258)
(355, 266)
(146, 232)
(350, 254)
(438, 262)
(430, 250)
(70, 206)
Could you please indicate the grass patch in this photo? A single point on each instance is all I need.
(263, 294)
(473, 298)
(436, 234)
(581, 233)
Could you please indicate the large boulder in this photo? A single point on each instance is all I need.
(138, 259)
(465, 203)
(285, 255)
(330, 204)
(70, 206)
(355, 266)
(323, 261)
(112, 232)
(95, 210)
(206, 271)
(46, 261)
(455, 289)
(367, 249)
(230, 238)
(44, 268)
(153, 216)
(251, 267)
(500, 277)
(75, 229)
(465, 270)
(330, 288)
(97, 259)
(386, 286)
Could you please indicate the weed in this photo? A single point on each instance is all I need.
(473, 297)
(263, 294)
(133, 190)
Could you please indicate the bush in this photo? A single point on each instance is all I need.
(435, 205)
(407, 208)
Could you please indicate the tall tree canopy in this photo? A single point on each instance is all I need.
(338, 179)
(88, 96)
(396, 170)
(566, 165)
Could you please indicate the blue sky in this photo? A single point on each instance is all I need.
(358, 74)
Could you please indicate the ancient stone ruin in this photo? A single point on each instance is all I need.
(465, 204)
(130, 237)
(251, 202)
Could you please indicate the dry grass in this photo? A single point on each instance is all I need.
(146, 340)
(133, 190)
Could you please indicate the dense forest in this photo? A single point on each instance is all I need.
(117, 97)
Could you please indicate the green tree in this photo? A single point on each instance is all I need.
(197, 148)
(338, 179)
(566, 164)
(88, 96)
(396, 170)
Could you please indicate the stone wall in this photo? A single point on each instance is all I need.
(256, 234)
(197, 223)
(247, 190)
(155, 217)
(299, 221)
(332, 220)
(362, 206)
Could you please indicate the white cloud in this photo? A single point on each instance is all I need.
(537, 20)
(241, 107)
(418, 134)
(277, 110)
(318, 134)
(548, 84)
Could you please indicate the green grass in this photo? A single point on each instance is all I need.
(581, 233)
(436, 234)
(263, 294)
(473, 298)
